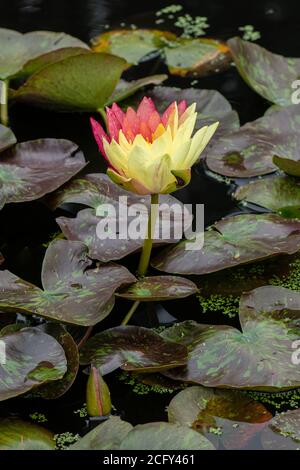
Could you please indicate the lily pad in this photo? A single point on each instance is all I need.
(258, 358)
(158, 288)
(125, 89)
(283, 432)
(236, 417)
(32, 358)
(164, 436)
(270, 75)
(288, 165)
(279, 192)
(60, 387)
(16, 434)
(105, 436)
(72, 293)
(132, 348)
(197, 57)
(32, 169)
(232, 241)
(97, 190)
(211, 106)
(249, 151)
(18, 48)
(7, 138)
(79, 83)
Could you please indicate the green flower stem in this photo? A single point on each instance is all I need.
(102, 113)
(4, 103)
(146, 251)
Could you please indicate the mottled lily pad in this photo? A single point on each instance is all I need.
(197, 57)
(270, 75)
(258, 358)
(279, 192)
(164, 436)
(105, 436)
(283, 432)
(232, 241)
(32, 358)
(72, 293)
(7, 138)
(32, 169)
(236, 417)
(97, 190)
(80, 83)
(60, 387)
(132, 348)
(18, 48)
(16, 434)
(158, 288)
(249, 151)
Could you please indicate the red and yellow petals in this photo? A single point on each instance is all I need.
(145, 109)
(118, 112)
(127, 183)
(113, 124)
(99, 135)
(154, 121)
(182, 106)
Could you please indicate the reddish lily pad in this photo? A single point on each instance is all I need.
(132, 348)
(32, 358)
(232, 241)
(249, 151)
(164, 436)
(237, 417)
(60, 387)
(283, 432)
(72, 293)
(32, 169)
(105, 436)
(16, 434)
(158, 288)
(270, 75)
(258, 358)
(96, 190)
(7, 138)
(279, 192)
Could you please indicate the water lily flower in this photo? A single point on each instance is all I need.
(149, 153)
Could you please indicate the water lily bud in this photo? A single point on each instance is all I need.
(149, 153)
(98, 402)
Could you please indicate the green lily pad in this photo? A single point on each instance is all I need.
(7, 138)
(158, 288)
(132, 348)
(164, 436)
(211, 106)
(288, 165)
(72, 293)
(16, 434)
(283, 432)
(222, 416)
(79, 83)
(232, 241)
(272, 193)
(31, 359)
(105, 436)
(18, 48)
(96, 190)
(60, 387)
(270, 75)
(125, 89)
(196, 57)
(249, 151)
(32, 169)
(259, 357)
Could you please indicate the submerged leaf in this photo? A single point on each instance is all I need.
(282, 432)
(132, 348)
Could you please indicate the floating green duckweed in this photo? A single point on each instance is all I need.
(291, 280)
(279, 400)
(192, 27)
(82, 412)
(217, 431)
(144, 389)
(65, 439)
(226, 304)
(38, 417)
(53, 236)
(249, 33)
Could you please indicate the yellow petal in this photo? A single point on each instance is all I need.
(187, 113)
(127, 183)
(199, 142)
(116, 155)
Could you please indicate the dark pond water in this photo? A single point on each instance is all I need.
(25, 228)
